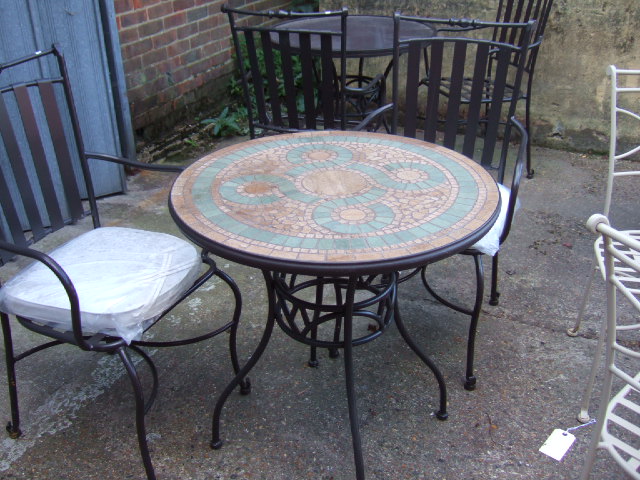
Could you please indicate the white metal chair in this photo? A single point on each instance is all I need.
(618, 428)
(613, 173)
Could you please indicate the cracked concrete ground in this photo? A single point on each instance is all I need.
(77, 409)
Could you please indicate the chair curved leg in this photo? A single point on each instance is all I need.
(470, 378)
(13, 427)
(154, 375)
(140, 412)
(494, 299)
(441, 414)
(245, 383)
(572, 332)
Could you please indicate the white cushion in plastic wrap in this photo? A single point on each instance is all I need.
(125, 278)
(490, 243)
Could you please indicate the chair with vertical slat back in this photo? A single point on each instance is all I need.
(295, 79)
(102, 290)
(509, 11)
(457, 124)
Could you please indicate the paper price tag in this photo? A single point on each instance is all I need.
(558, 443)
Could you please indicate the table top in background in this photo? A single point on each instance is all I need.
(367, 35)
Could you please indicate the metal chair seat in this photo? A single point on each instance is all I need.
(125, 279)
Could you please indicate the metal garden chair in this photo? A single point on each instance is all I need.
(509, 11)
(295, 79)
(436, 117)
(617, 430)
(104, 289)
(621, 104)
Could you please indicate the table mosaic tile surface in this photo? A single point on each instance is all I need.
(339, 197)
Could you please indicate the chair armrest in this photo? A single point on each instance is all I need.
(134, 163)
(518, 170)
(67, 284)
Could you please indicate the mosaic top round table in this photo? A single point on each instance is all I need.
(330, 217)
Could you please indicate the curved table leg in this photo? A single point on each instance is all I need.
(441, 414)
(216, 441)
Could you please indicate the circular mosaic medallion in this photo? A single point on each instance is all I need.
(339, 197)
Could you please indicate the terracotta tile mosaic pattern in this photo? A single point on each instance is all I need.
(336, 197)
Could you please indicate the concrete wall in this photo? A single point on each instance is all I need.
(570, 98)
(177, 57)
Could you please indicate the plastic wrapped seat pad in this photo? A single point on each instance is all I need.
(125, 278)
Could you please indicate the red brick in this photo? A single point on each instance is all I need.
(122, 6)
(150, 73)
(200, 39)
(161, 10)
(177, 49)
(195, 14)
(208, 23)
(137, 48)
(175, 20)
(182, 4)
(150, 28)
(210, 49)
(165, 38)
(154, 56)
(128, 35)
(180, 75)
(188, 30)
(133, 18)
(191, 56)
(170, 64)
(132, 64)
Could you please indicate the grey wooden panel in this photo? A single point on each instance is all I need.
(76, 26)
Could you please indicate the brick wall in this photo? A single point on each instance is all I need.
(177, 56)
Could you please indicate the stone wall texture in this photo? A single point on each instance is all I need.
(570, 100)
(177, 56)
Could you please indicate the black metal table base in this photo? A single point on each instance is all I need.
(325, 312)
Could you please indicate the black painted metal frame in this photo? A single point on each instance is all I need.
(51, 98)
(301, 316)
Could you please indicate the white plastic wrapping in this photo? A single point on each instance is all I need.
(124, 278)
(490, 243)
